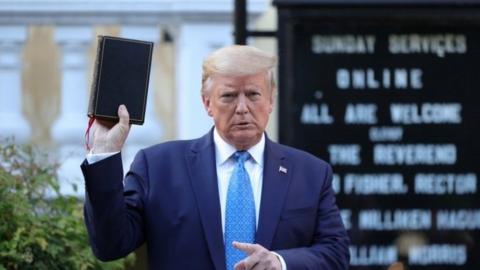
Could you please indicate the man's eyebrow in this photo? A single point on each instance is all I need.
(229, 89)
(252, 87)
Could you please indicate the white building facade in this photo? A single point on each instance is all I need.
(47, 49)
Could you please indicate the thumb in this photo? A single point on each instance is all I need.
(123, 115)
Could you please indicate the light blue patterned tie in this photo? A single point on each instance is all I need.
(240, 211)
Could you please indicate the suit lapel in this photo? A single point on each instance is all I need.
(203, 177)
(276, 178)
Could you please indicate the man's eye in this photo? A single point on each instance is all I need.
(253, 94)
(227, 95)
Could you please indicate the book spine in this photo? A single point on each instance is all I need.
(94, 87)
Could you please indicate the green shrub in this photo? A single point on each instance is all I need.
(39, 227)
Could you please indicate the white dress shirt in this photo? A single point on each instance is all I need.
(225, 164)
(254, 167)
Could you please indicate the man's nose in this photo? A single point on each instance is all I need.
(242, 105)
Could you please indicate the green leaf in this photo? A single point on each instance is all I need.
(42, 243)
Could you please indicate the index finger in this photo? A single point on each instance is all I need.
(105, 123)
(245, 247)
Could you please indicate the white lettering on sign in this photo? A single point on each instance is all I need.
(373, 255)
(361, 113)
(414, 154)
(336, 183)
(346, 215)
(344, 154)
(385, 134)
(445, 184)
(437, 44)
(412, 219)
(462, 219)
(345, 44)
(316, 114)
(398, 78)
(437, 254)
(371, 184)
(428, 113)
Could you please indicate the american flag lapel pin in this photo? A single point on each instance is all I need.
(282, 169)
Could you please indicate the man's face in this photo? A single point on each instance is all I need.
(240, 107)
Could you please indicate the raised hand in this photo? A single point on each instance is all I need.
(258, 257)
(110, 137)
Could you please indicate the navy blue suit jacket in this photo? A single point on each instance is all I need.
(170, 199)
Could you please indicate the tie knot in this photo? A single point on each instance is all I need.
(241, 156)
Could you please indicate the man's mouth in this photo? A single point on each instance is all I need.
(243, 124)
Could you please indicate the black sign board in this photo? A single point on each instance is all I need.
(388, 93)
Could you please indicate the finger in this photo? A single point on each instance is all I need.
(104, 123)
(246, 247)
(259, 266)
(123, 115)
(252, 251)
(240, 265)
(260, 258)
(248, 263)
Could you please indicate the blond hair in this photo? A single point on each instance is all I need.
(238, 60)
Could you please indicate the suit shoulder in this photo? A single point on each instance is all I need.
(168, 148)
(300, 155)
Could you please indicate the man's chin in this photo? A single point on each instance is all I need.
(245, 139)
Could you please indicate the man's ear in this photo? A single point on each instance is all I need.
(273, 96)
(206, 104)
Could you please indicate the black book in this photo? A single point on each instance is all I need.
(121, 74)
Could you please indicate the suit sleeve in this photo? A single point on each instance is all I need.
(114, 212)
(329, 248)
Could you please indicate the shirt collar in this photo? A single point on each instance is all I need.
(223, 150)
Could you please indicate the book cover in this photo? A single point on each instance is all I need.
(121, 75)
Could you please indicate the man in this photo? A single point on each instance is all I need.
(231, 199)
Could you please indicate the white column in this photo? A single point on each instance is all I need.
(73, 41)
(12, 122)
(194, 41)
(69, 129)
